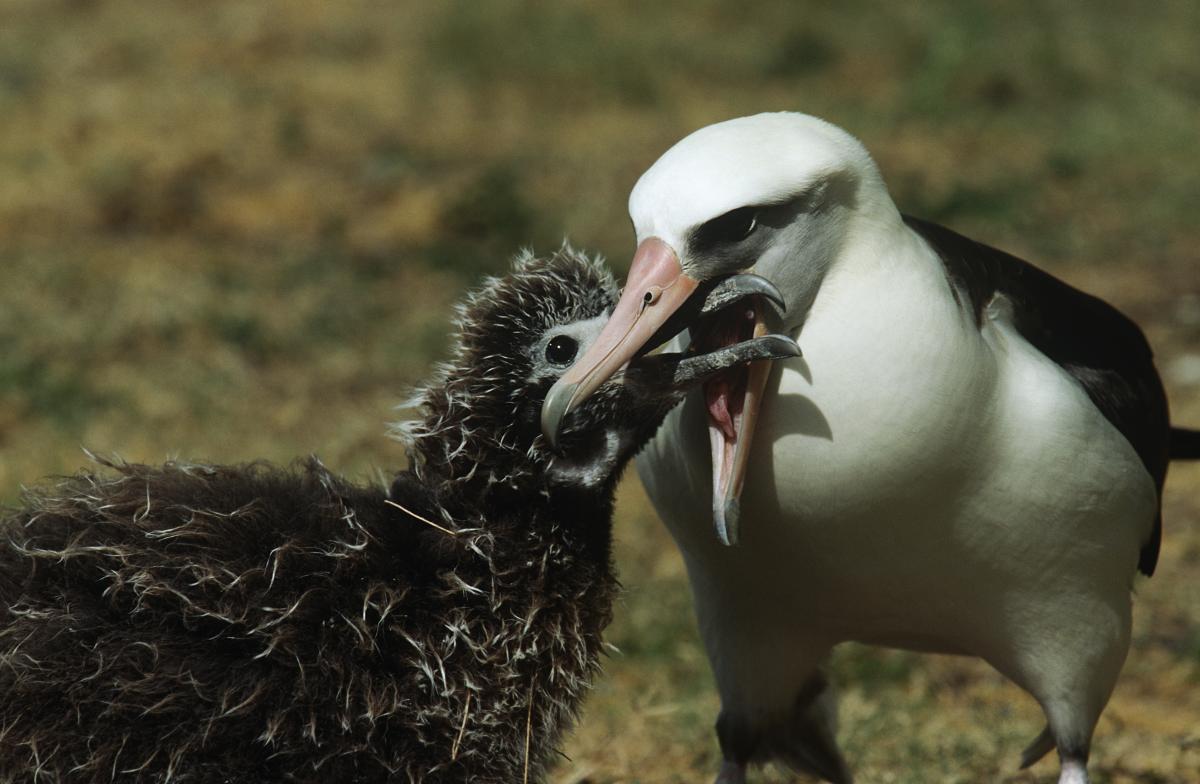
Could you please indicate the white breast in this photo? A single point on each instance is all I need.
(907, 473)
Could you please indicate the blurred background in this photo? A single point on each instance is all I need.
(232, 230)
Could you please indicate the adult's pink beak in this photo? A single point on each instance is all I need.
(655, 289)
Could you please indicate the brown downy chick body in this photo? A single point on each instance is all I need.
(192, 623)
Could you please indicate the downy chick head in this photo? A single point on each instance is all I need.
(515, 336)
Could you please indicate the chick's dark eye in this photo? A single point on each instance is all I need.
(561, 350)
(733, 226)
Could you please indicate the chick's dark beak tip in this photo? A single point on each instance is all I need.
(554, 410)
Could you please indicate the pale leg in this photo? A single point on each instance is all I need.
(1073, 772)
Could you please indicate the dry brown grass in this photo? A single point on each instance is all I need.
(232, 229)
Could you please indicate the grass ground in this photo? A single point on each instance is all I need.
(232, 229)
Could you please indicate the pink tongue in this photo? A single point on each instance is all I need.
(726, 394)
(717, 393)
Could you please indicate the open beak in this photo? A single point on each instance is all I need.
(656, 304)
(733, 400)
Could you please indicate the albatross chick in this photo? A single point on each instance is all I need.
(196, 623)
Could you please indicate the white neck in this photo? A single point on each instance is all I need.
(853, 237)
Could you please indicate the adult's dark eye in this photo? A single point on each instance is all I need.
(561, 350)
(733, 226)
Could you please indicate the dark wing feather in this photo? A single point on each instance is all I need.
(1100, 347)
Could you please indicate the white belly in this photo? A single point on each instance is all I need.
(915, 482)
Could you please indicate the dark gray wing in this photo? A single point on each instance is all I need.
(1100, 347)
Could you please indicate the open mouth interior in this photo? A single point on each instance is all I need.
(731, 399)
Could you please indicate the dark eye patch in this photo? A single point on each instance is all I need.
(734, 226)
(561, 350)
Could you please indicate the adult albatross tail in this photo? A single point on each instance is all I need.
(1185, 444)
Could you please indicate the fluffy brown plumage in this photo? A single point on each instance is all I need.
(246, 623)
(196, 623)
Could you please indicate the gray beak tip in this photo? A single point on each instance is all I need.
(558, 403)
(737, 287)
(727, 521)
(772, 293)
(791, 348)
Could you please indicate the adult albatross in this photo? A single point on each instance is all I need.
(967, 459)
